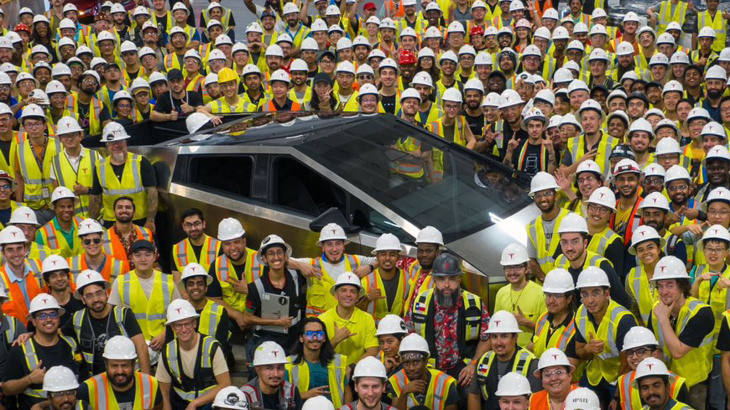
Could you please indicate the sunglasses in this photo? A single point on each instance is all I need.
(314, 334)
(47, 315)
(96, 241)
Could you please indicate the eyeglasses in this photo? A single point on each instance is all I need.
(95, 295)
(715, 250)
(184, 325)
(589, 178)
(675, 188)
(365, 76)
(95, 241)
(557, 373)
(514, 268)
(196, 224)
(601, 210)
(556, 296)
(544, 194)
(124, 105)
(89, 81)
(639, 351)
(314, 334)
(716, 212)
(57, 394)
(33, 124)
(654, 181)
(5, 187)
(47, 315)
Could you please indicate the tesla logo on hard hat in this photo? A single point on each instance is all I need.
(649, 365)
(178, 310)
(27, 215)
(511, 255)
(555, 357)
(275, 353)
(662, 268)
(602, 195)
(497, 322)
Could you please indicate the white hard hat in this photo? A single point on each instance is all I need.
(218, 54)
(122, 95)
(639, 336)
(407, 32)
(673, 85)
(119, 8)
(331, 232)
(54, 263)
(669, 267)
(68, 125)
(429, 234)
(561, 33)
(655, 200)
(645, 233)
(273, 240)
(120, 348)
(552, 357)
(474, 84)
(582, 398)
(426, 52)
(666, 38)
(714, 129)
(546, 95)
(391, 325)
(23, 215)
(550, 13)
(651, 366)
(32, 111)
(345, 67)
(256, 27)
(290, 8)
(452, 95)
(89, 226)
(719, 194)
(543, 32)
(679, 58)
(192, 270)
(299, 65)
(139, 83)
(410, 93)
(598, 29)
(12, 234)
(114, 131)
(275, 50)
(414, 343)
(580, 27)
(716, 72)
(562, 75)
(717, 152)
(232, 398)
(542, 181)
(107, 36)
(698, 113)
(724, 55)
(347, 278)
(707, 32)
(370, 367)
(577, 85)
(128, 46)
(180, 309)
(44, 301)
(368, 89)
(503, 322)
(269, 353)
(588, 166)
(626, 166)
(455, 27)
(60, 379)
(658, 59)
(603, 196)
(88, 277)
(673, 25)
(654, 170)
(281, 75)
(55, 87)
(592, 276)
(589, 104)
(318, 402)
(386, 23)
(157, 77)
(450, 56)
(251, 69)
(675, 172)
(573, 223)
(510, 98)
(69, 7)
(514, 254)
(492, 100)
(624, 48)
(512, 383)
(576, 45)
(558, 281)
(229, 229)
(422, 78)
(716, 232)
(598, 54)
(516, 5)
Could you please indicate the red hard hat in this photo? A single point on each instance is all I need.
(21, 27)
(476, 31)
(407, 57)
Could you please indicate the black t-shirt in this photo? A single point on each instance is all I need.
(723, 339)
(624, 325)
(388, 103)
(530, 164)
(696, 329)
(125, 399)
(103, 330)
(59, 354)
(509, 135)
(83, 112)
(166, 103)
(618, 293)
(475, 123)
(149, 178)
(214, 289)
(5, 149)
(297, 302)
(5, 345)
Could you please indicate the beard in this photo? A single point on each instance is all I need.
(445, 301)
(714, 94)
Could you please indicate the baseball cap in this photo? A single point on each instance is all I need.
(142, 244)
(370, 6)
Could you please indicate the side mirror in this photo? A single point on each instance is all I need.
(332, 215)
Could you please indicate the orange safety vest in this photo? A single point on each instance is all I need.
(15, 306)
(541, 399)
(112, 269)
(270, 107)
(113, 244)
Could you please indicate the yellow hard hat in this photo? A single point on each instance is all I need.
(226, 74)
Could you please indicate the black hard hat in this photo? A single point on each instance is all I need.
(446, 264)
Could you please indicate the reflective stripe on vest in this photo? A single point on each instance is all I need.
(173, 362)
(319, 298)
(299, 376)
(78, 322)
(150, 313)
(559, 338)
(545, 252)
(604, 365)
(520, 364)
(469, 300)
(31, 360)
(436, 392)
(259, 284)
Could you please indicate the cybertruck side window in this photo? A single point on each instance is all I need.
(222, 174)
(297, 187)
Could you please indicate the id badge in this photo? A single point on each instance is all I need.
(46, 192)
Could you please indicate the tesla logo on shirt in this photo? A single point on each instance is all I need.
(84, 169)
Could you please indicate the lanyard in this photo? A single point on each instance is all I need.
(38, 159)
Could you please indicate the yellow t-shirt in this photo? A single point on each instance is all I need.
(622, 218)
(363, 327)
(530, 300)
